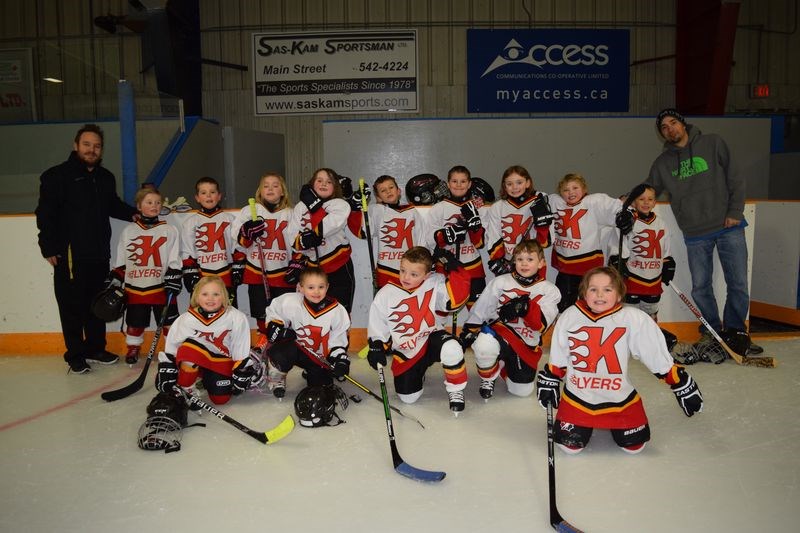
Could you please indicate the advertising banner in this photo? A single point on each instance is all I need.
(547, 70)
(335, 72)
(17, 102)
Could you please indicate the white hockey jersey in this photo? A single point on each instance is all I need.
(448, 213)
(577, 246)
(207, 241)
(331, 219)
(323, 332)
(276, 244)
(145, 253)
(646, 247)
(508, 223)
(595, 351)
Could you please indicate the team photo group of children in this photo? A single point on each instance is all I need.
(452, 248)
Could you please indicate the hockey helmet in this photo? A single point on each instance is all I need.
(109, 304)
(160, 433)
(170, 406)
(315, 406)
(480, 188)
(426, 189)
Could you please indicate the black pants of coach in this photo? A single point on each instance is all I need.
(84, 333)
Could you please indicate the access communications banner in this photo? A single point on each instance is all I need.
(549, 70)
(335, 72)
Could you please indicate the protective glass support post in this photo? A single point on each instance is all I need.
(181, 116)
(127, 136)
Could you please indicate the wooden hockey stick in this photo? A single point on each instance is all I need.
(558, 523)
(265, 437)
(136, 386)
(763, 362)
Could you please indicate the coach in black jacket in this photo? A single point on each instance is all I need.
(76, 199)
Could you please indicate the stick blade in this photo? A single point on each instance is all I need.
(565, 527)
(762, 362)
(124, 392)
(280, 431)
(362, 353)
(417, 474)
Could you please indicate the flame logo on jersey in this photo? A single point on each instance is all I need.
(273, 236)
(210, 236)
(647, 243)
(143, 249)
(418, 313)
(587, 348)
(218, 341)
(311, 338)
(568, 223)
(454, 220)
(510, 294)
(396, 234)
(513, 227)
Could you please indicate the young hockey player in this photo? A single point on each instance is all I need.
(207, 245)
(148, 263)
(269, 235)
(403, 325)
(592, 343)
(506, 324)
(521, 214)
(576, 232)
(210, 341)
(304, 327)
(321, 217)
(457, 227)
(395, 228)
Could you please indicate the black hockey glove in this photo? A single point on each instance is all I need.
(248, 372)
(252, 229)
(686, 392)
(355, 199)
(471, 216)
(167, 376)
(468, 335)
(514, 309)
(624, 221)
(540, 210)
(191, 275)
(347, 186)
(446, 258)
(451, 235)
(237, 272)
(278, 332)
(667, 270)
(548, 388)
(376, 354)
(113, 280)
(172, 282)
(310, 198)
(309, 240)
(500, 266)
(340, 366)
(296, 266)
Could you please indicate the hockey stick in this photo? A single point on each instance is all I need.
(327, 365)
(362, 353)
(763, 362)
(558, 523)
(625, 205)
(455, 313)
(254, 216)
(136, 386)
(265, 437)
(400, 466)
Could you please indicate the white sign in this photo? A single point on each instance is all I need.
(335, 72)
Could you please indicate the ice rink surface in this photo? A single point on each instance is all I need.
(70, 462)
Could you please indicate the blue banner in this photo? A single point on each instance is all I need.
(551, 70)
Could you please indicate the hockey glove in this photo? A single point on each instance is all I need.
(191, 275)
(246, 374)
(468, 335)
(355, 199)
(471, 216)
(114, 280)
(310, 198)
(514, 309)
(252, 229)
(446, 258)
(540, 210)
(347, 187)
(624, 221)
(237, 271)
(451, 235)
(309, 240)
(340, 365)
(500, 266)
(277, 332)
(686, 392)
(667, 270)
(296, 266)
(548, 388)
(376, 354)
(167, 376)
(172, 282)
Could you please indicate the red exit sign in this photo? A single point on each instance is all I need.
(760, 90)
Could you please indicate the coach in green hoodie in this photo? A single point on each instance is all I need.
(707, 192)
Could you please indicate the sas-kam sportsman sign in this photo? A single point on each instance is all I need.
(335, 72)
